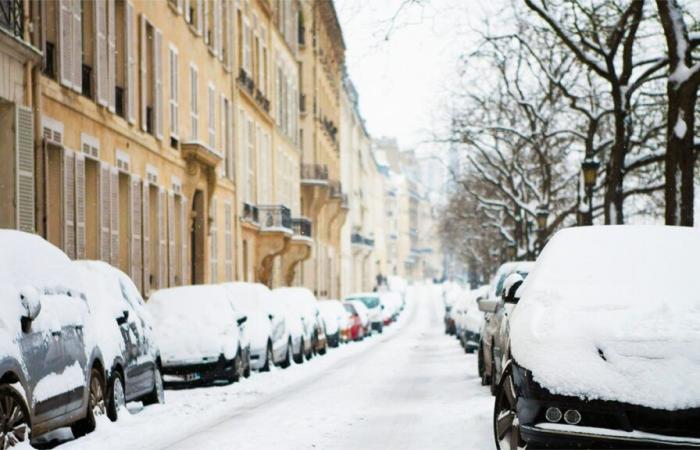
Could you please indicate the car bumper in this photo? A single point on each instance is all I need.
(175, 375)
(550, 435)
(471, 339)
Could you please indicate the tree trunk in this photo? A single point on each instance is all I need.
(614, 198)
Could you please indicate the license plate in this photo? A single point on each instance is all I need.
(192, 377)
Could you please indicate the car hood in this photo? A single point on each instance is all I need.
(644, 354)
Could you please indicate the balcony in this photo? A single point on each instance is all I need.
(275, 217)
(262, 101)
(301, 227)
(298, 249)
(330, 128)
(11, 12)
(315, 172)
(246, 82)
(250, 213)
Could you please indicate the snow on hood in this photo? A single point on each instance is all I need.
(611, 313)
(251, 300)
(193, 322)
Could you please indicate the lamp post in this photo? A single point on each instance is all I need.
(542, 214)
(589, 167)
(512, 250)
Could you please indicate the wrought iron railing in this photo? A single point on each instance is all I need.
(250, 213)
(246, 81)
(359, 239)
(314, 172)
(11, 12)
(301, 227)
(275, 216)
(336, 189)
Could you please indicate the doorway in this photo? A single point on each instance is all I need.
(198, 237)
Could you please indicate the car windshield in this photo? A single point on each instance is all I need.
(349, 308)
(369, 302)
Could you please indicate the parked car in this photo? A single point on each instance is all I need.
(199, 335)
(357, 329)
(335, 319)
(300, 329)
(51, 371)
(265, 325)
(604, 343)
(493, 307)
(363, 314)
(392, 306)
(124, 334)
(306, 302)
(374, 306)
(472, 320)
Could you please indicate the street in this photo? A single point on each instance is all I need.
(411, 387)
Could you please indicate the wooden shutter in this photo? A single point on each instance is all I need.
(111, 56)
(69, 203)
(77, 51)
(145, 237)
(144, 71)
(65, 36)
(217, 28)
(171, 239)
(135, 232)
(158, 83)
(79, 206)
(130, 45)
(162, 239)
(105, 222)
(185, 223)
(188, 16)
(114, 215)
(100, 29)
(24, 147)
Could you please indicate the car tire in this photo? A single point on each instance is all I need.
(20, 428)
(494, 379)
(237, 366)
(95, 405)
(269, 358)
(506, 429)
(289, 356)
(116, 400)
(310, 354)
(299, 359)
(158, 394)
(246, 370)
(485, 379)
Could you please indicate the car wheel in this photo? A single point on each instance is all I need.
(310, 353)
(96, 405)
(506, 426)
(14, 417)
(116, 403)
(158, 394)
(288, 357)
(300, 357)
(246, 370)
(269, 358)
(237, 366)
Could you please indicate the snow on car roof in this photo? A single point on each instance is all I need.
(611, 313)
(248, 297)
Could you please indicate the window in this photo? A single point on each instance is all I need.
(251, 160)
(151, 81)
(212, 117)
(174, 88)
(194, 107)
(227, 137)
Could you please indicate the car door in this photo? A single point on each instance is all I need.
(74, 345)
(140, 363)
(42, 351)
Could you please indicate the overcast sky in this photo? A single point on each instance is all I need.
(403, 59)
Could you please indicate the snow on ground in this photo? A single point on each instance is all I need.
(411, 387)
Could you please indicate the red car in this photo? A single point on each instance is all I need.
(357, 331)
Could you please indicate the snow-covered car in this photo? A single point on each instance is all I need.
(265, 327)
(51, 372)
(374, 307)
(305, 302)
(363, 314)
(199, 335)
(122, 326)
(493, 307)
(300, 329)
(357, 329)
(472, 320)
(336, 321)
(392, 306)
(604, 343)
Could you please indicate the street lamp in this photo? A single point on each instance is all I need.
(512, 250)
(589, 167)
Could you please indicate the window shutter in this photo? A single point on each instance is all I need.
(228, 233)
(100, 29)
(145, 236)
(205, 18)
(171, 239)
(188, 15)
(105, 222)
(217, 28)
(199, 15)
(144, 72)
(69, 203)
(162, 240)
(24, 147)
(185, 223)
(111, 55)
(158, 82)
(79, 206)
(77, 51)
(135, 231)
(174, 94)
(212, 117)
(179, 6)
(65, 35)
(222, 127)
(130, 63)
(228, 35)
(114, 213)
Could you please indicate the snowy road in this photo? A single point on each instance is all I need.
(412, 387)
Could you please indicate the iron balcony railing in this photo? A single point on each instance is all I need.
(250, 213)
(336, 189)
(11, 17)
(275, 216)
(246, 81)
(301, 227)
(359, 239)
(314, 172)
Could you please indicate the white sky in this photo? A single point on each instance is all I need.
(403, 82)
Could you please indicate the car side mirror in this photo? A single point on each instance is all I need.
(488, 306)
(31, 305)
(510, 288)
(271, 316)
(382, 305)
(241, 320)
(123, 318)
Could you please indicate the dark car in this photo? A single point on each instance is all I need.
(124, 335)
(604, 343)
(50, 377)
